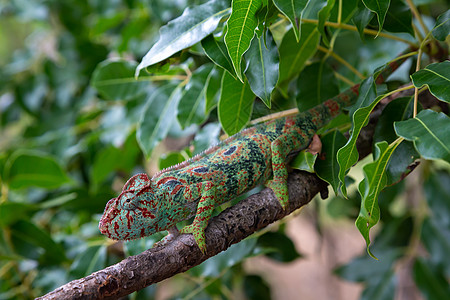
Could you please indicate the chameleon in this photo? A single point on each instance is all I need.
(256, 155)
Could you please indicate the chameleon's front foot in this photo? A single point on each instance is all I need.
(199, 235)
(280, 190)
(172, 234)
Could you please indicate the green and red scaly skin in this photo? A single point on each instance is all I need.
(254, 156)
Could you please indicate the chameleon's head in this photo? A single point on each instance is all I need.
(134, 213)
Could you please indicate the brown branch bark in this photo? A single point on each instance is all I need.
(231, 226)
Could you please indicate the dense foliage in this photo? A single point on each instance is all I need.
(79, 116)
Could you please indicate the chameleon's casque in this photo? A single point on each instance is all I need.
(254, 156)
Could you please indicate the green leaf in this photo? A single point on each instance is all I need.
(235, 104)
(11, 212)
(397, 110)
(88, 261)
(437, 77)
(442, 28)
(316, 84)
(31, 168)
(370, 187)
(292, 9)
(399, 18)
(255, 287)
(157, 117)
(190, 28)
(217, 52)
(327, 167)
(361, 18)
(429, 133)
(213, 83)
(240, 30)
(191, 108)
(170, 159)
(206, 137)
(114, 80)
(380, 7)
(304, 161)
(105, 162)
(323, 15)
(293, 55)
(277, 246)
(348, 155)
(429, 280)
(31, 234)
(262, 67)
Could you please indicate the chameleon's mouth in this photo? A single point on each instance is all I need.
(106, 221)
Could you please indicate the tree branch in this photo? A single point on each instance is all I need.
(231, 226)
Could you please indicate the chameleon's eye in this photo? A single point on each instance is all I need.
(127, 202)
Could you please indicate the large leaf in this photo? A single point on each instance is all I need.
(213, 83)
(442, 28)
(30, 168)
(191, 109)
(293, 55)
(240, 30)
(235, 104)
(437, 77)
(157, 117)
(114, 80)
(399, 18)
(429, 133)
(191, 27)
(380, 7)
(292, 9)
(217, 52)
(327, 167)
(262, 67)
(316, 84)
(348, 155)
(370, 187)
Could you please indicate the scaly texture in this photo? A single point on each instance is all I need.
(254, 156)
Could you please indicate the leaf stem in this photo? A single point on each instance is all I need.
(417, 15)
(341, 60)
(367, 31)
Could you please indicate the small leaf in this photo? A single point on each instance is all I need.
(240, 30)
(191, 27)
(380, 7)
(327, 167)
(11, 212)
(437, 77)
(255, 287)
(429, 133)
(293, 55)
(114, 80)
(157, 117)
(361, 18)
(235, 104)
(217, 52)
(323, 15)
(191, 108)
(88, 261)
(304, 161)
(442, 28)
(316, 84)
(262, 67)
(32, 168)
(206, 137)
(292, 9)
(370, 187)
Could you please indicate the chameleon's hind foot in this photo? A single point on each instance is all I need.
(199, 235)
(281, 192)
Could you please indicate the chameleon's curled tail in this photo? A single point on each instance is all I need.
(334, 106)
